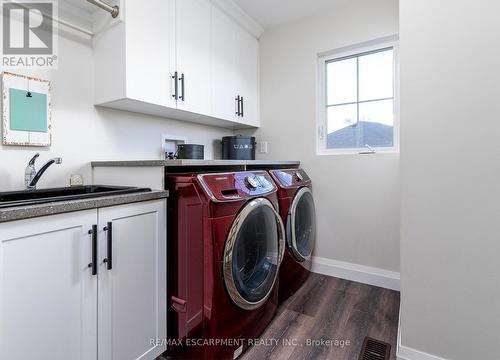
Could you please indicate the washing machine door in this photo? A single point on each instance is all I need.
(253, 253)
(301, 225)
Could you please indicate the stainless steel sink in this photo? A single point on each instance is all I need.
(31, 197)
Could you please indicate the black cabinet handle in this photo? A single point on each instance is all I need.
(183, 95)
(237, 99)
(176, 85)
(93, 264)
(242, 113)
(109, 240)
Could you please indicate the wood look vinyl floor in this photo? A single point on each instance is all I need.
(328, 308)
(325, 312)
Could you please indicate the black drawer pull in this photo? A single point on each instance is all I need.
(237, 99)
(93, 264)
(109, 244)
(176, 85)
(183, 95)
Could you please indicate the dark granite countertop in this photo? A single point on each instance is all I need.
(60, 207)
(185, 162)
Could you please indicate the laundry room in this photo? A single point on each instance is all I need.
(249, 179)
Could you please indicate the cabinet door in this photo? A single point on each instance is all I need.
(48, 301)
(150, 56)
(248, 75)
(132, 293)
(192, 38)
(223, 66)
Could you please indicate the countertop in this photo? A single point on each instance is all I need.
(196, 163)
(59, 207)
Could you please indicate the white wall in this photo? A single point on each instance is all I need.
(83, 133)
(357, 196)
(450, 171)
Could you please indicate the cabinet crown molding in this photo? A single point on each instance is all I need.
(240, 16)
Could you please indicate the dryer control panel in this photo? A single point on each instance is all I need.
(237, 186)
(291, 178)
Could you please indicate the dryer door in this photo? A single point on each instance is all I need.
(253, 253)
(301, 225)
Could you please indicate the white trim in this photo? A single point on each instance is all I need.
(230, 8)
(354, 272)
(347, 51)
(407, 353)
(354, 48)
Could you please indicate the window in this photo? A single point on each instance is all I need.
(358, 100)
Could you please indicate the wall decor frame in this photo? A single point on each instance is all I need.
(26, 110)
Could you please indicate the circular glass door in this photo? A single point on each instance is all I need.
(252, 254)
(301, 225)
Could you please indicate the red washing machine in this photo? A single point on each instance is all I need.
(226, 244)
(297, 212)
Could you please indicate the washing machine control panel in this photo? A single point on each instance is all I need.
(291, 178)
(236, 186)
(252, 182)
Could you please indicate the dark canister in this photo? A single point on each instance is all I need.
(238, 147)
(190, 151)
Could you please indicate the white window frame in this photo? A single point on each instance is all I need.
(321, 117)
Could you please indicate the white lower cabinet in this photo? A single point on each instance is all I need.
(54, 305)
(132, 288)
(48, 296)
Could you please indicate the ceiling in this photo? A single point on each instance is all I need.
(270, 13)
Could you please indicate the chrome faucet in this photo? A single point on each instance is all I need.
(31, 176)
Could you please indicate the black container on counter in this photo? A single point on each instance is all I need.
(190, 151)
(238, 147)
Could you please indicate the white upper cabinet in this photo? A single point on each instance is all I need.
(150, 54)
(235, 71)
(180, 59)
(223, 66)
(192, 23)
(247, 73)
(134, 59)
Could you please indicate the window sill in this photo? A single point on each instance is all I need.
(357, 152)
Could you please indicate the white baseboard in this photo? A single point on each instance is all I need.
(354, 272)
(372, 276)
(407, 353)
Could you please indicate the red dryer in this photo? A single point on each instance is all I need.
(297, 212)
(226, 244)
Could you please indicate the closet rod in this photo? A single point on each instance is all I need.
(113, 10)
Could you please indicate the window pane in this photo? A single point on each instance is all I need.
(377, 122)
(341, 81)
(376, 74)
(341, 122)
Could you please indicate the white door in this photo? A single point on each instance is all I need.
(223, 66)
(192, 36)
(248, 76)
(132, 287)
(48, 295)
(150, 55)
